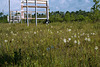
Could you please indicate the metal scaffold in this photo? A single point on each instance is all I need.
(18, 16)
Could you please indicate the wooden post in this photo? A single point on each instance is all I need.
(36, 12)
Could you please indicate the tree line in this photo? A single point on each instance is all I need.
(91, 16)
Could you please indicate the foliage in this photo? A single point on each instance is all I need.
(55, 45)
(96, 10)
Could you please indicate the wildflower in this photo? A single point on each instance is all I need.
(11, 32)
(6, 41)
(12, 39)
(52, 47)
(75, 41)
(89, 39)
(83, 34)
(64, 40)
(69, 30)
(51, 26)
(78, 33)
(37, 44)
(69, 39)
(79, 42)
(78, 36)
(27, 32)
(34, 32)
(60, 30)
(40, 30)
(41, 40)
(72, 36)
(57, 31)
(71, 26)
(86, 38)
(51, 32)
(93, 33)
(17, 32)
(48, 49)
(48, 30)
(96, 47)
(75, 35)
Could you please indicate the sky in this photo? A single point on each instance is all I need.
(55, 5)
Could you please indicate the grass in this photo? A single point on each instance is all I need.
(74, 44)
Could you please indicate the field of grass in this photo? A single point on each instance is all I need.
(74, 44)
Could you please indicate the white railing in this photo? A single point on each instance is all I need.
(34, 0)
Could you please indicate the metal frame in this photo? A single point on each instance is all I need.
(35, 2)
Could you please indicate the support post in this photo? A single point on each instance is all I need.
(27, 12)
(22, 13)
(13, 17)
(9, 11)
(47, 11)
(3, 14)
(36, 12)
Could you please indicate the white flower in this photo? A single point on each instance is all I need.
(6, 41)
(51, 26)
(60, 30)
(75, 41)
(48, 30)
(96, 47)
(34, 32)
(83, 34)
(12, 32)
(12, 39)
(78, 33)
(89, 39)
(64, 40)
(57, 31)
(75, 35)
(37, 44)
(15, 34)
(78, 36)
(51, 32)
(79, 42)
(71, 36)
(69, 30)
(93, 33)
(40, 30)
(6, 34)
(71, 26)
(69, 39)
(86, 38)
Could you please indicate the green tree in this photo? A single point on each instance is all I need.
(95, 10)
(67, 17)
(1, 14)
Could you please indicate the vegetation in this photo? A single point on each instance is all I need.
(54, 45)
(79, 16)
(72, 39)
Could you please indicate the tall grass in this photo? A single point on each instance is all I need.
(55, 45)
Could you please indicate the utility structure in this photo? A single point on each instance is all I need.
(25, 14)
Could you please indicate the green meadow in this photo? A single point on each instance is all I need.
(75, 44)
